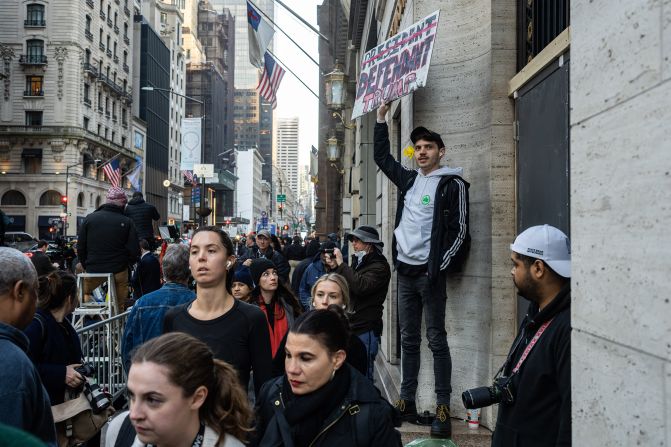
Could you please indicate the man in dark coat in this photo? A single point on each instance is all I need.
(142, 214)
(368, 281)
(264, 250)
(108, 243)
(147, 274)
(541, 413)
(311, 249)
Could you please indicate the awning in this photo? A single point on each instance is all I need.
(32, 153)
(47, 221)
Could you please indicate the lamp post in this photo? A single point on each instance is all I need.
(201, 211)
(334, 86)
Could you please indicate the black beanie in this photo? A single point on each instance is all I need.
(259, 266)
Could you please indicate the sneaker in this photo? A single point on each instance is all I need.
(442, 424)
(407, 409)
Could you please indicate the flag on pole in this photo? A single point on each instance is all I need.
(260, 34)
(188, 175)
(134, 175)
(113, 172)
(270, 80)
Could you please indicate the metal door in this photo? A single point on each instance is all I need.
(542, 109)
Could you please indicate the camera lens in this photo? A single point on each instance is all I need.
(483, 396)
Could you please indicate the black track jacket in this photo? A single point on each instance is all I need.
(450, 238)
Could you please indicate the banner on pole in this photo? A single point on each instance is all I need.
(191, 141)
(396, 67)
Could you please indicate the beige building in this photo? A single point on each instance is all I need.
(589, 156)
(65, 109)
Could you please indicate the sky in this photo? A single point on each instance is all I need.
(293, 99)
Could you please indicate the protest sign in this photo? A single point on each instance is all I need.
(396, 67)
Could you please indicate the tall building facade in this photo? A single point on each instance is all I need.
(286, 151)
(249, 187)
(152, 57)
(167, 19)
(252, 115)
(209, 80)
(65, 109)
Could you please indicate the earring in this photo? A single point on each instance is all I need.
(333, 373)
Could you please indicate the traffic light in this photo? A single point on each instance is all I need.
(228, 222)
(279, 207)
(64, 203)
(286, 227)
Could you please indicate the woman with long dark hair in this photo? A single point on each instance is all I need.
(321, 400)
(276, 301)
(54, 345)
(235, 331)
(180, 395)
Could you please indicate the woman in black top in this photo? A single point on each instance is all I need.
(54, 345)
(235, 331)
(322, 401)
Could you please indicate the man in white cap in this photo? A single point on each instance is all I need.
(539, 362)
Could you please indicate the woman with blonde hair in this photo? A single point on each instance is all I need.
(330, 288)
(180, 395)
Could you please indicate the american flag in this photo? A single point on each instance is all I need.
(189, 176)
(270, 79)
(113, 172)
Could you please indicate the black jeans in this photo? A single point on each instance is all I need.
(417, 294)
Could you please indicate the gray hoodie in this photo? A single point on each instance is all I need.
(413, 234)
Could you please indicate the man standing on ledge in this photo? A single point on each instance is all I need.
(541, 379)
(431, 239)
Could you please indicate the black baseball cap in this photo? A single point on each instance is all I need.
(422, 133)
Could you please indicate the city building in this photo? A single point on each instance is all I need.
(249, 189)
(208, 80)
(153, 58)
(286, 151)
(167, 19)
(65, 109)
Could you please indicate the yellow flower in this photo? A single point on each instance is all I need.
(409, 152)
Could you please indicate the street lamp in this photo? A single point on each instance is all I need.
(332, 149)
(334, 86)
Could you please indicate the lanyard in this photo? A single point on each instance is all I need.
(198, 441)
(531, 344)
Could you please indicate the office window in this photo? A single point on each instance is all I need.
(35, 15)
(88, 23)
(35, 48)
(34, 86)
(86, 123)
(87, 89)
(33, 118)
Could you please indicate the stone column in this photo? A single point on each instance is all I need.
(620, 214)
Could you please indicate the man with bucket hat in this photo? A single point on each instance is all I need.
(368, 281)
(539, 362)
(431, 240)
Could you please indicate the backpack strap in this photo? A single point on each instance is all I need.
(126, 435)
(43, 331)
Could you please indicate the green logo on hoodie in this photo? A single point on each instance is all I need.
(426, 200)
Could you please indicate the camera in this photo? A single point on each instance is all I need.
(86, 370)
(501, 391)
(98, 399)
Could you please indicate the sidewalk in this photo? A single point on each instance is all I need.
(461, 434)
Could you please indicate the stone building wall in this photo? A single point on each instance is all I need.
(620, 213)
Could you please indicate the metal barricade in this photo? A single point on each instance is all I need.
(101, 347)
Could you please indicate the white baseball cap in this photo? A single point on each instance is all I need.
(547, 243)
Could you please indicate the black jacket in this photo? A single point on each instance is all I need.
(142, 214)
(450, 238)
(541, 413)
(283, 267)
(368, 284)
(147, 275)
(364, 419)
(107, 241)
(294, 252)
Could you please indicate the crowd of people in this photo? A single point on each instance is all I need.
(272, 342)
